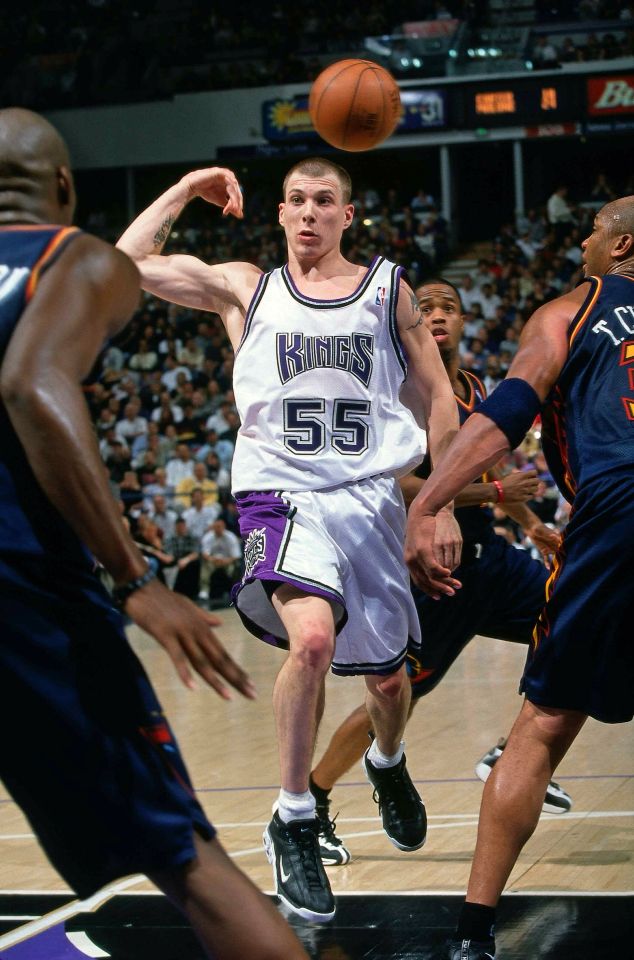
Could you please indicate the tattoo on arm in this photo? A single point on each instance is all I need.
(418, 317)
(163, 231)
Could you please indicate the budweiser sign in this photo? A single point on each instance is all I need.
(608, 95)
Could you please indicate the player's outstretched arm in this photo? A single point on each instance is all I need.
(181, 278)
(85, 297)
(481, 442)
(434, 388)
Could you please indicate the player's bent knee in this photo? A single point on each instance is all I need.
(313, 650)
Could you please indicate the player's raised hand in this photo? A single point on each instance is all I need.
(219, 186)
(184, 630)
(421, 546)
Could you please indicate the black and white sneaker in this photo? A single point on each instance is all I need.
(300, 879)
(332, 850)
(401, 808)
(471, 950)
(556, 799)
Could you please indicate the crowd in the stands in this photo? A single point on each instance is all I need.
(73, 53)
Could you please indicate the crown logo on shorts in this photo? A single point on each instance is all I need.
(254, 550)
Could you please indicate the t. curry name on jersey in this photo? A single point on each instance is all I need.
(352, 352)
(618, 324)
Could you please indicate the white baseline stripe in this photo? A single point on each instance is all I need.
(577, 814)
(466, 817)
(65, 913)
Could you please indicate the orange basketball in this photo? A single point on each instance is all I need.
(354, 104)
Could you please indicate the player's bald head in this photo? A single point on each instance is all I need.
(619, 215)
(35, 178)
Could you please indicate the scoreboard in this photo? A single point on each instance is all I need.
(518, 103)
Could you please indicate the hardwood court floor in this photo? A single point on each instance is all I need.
(231, 752)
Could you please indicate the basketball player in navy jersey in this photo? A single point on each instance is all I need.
(502, 589)
(323, 347)
(87, 752)
(576, 357)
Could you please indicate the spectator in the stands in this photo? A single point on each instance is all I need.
(118, 461)
(489, 301)
(145, 359)
(130, 491)
(221, 554)
(482, 274)
(192, 355)
(167, 413)
(184, 549)
(560, 213)
(545, 54)
(198, 481)
(188, 427)
(468, 291)
(132, 426)
(492, 373)
(422, 201)
(602, 191)
(157, 487)
(149, 539)
(216, 472)
(180, 466)
(172, 369)
(163, 516)
(200, 517)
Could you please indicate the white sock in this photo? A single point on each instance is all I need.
(295, 806)
(381, 760)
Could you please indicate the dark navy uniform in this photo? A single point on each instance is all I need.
(582, 654)
(87, 752)
(502, 587)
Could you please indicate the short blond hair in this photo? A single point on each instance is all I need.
(317, 167)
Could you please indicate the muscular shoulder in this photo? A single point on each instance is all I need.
(111, 273)
(562, 310)
(544, 343)
(243, 278)
(92, 279)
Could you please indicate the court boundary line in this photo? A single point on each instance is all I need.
(65, 912)
(449, 820)
(344, 893)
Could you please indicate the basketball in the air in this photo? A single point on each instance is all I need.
(354, 104)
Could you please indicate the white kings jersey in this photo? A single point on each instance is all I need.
(317, 386)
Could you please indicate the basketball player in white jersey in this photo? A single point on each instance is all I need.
(323, 347)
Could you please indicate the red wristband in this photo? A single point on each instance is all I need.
(499, 490)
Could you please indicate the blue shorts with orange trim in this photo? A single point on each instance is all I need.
(87, 752)
(501, 596)
(582, 654)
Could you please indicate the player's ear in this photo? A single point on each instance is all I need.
(348, 215)
(65, 190)
(623, 246)
(281, 214)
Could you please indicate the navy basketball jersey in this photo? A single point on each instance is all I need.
(588, 420)
(30, 526)
(474, 522)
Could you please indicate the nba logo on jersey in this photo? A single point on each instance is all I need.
(380, 296)
(254, 550)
